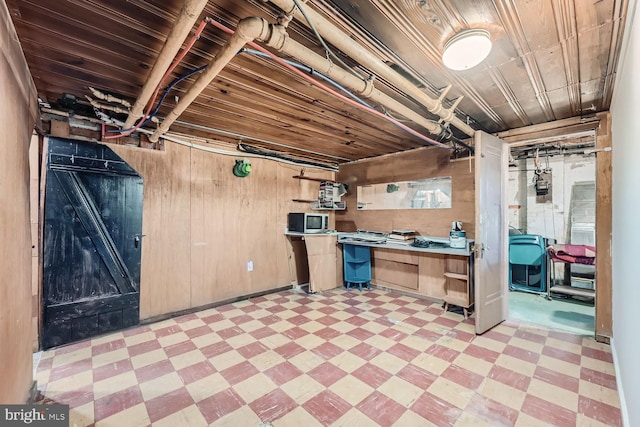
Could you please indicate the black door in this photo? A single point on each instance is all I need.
(92, 242)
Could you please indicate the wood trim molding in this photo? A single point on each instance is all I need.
(600, 124)
(545, 131)
(604, 283)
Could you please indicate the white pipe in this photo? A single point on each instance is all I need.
(253, 138)
(66, 114)
(243, 154)
(108, 107)
(191, 10)
(359, 54)
(109, 98)
(280, 40)
(113, 108)
(248, 29)
(177, 140)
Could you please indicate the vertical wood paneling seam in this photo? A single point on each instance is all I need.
(511, 21)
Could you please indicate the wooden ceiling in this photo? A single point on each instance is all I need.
(551, 59)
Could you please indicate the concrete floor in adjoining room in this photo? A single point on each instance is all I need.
(568, 314)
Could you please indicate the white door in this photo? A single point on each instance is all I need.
(491, 239)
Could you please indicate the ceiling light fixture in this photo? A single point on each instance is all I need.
(466, 49)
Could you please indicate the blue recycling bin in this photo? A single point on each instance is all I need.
(357, 265)
(528, 263)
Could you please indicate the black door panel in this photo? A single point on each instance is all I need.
(92, 247)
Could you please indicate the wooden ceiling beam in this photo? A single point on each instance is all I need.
(544, 132)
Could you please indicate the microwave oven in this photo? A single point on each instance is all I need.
(304, 222)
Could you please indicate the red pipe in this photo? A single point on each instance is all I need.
(175, 62)
(103, 125)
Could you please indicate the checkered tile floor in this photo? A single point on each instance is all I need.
(341, 358)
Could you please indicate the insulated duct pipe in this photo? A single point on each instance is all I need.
(359, 54)
(248, 29)
(281, 41)
(191, 10)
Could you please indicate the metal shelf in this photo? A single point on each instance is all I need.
(573, 291)
(309, 178)
(328, 206)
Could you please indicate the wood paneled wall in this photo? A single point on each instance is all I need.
(17, 115)
(414, 164)
(203, 225)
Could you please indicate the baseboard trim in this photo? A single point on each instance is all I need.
(211, 305)
(623, 402)
(406, 292)
(32, 397)
(603, 339)
(183, 312)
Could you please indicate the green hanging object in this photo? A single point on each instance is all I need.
(242, 168)
(392, 188)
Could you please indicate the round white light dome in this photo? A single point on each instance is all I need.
(466, 49)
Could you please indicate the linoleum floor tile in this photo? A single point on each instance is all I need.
(340, 358)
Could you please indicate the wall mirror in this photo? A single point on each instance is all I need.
(431, 193)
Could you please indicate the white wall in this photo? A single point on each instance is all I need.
(547, 219)
(626, 227)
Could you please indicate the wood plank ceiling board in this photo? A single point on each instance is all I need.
(550, 60)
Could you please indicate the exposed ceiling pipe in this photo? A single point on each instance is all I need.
(248, 29)
(110, 107)
(359, 54)
(109, 98)
(259, 29)
(280, 40)
(191, 10)
(327, 89)
(243, 137)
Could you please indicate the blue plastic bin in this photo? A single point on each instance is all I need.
(528, 263)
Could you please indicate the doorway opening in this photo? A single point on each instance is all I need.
(552, 233)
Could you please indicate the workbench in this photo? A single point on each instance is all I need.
(440, 273)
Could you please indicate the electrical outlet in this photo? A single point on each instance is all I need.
(250, 266)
